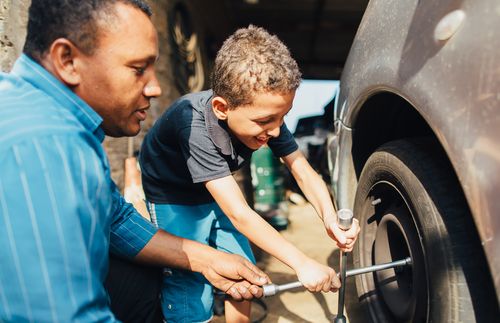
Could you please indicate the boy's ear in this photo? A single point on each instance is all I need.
(220, 107)
(61, 60)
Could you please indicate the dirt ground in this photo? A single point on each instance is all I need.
(307, 233)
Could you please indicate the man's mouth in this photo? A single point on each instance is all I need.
(141, 114)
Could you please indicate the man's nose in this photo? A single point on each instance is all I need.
(152, 89)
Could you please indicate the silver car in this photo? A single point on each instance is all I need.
(416, 154)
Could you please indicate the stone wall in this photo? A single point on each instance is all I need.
(13, 18)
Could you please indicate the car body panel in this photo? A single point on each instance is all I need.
(453, 84)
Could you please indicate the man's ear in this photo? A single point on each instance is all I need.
(220, 107)
(61, 61)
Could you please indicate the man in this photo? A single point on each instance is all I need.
(87, 70)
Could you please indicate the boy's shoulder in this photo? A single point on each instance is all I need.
(188, 118)
(197, 101)
(184, 112)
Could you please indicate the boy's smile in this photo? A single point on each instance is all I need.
(256, 123)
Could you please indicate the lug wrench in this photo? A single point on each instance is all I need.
(344, 218)
(345, 221)
(273, 289)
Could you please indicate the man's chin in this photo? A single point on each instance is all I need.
(126, 132)
(133, 132)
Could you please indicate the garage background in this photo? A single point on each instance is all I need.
(319, 34)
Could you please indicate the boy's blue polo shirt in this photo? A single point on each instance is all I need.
(60, 212)
(189, 146)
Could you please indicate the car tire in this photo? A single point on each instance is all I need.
(409, 204)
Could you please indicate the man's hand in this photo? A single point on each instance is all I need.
(230, 273)
(345, 239)
(236, 276)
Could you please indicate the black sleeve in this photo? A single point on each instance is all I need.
(284, 144)
(202, 158)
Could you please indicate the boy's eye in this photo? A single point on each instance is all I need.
(263, 122)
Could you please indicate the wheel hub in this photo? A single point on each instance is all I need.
(403, 293)
(395, 287)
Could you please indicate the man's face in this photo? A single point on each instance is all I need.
(254, 124)
(118, 79)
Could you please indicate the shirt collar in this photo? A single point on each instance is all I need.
(43, 80)
(217, 130)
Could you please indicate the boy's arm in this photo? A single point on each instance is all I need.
(229, 197)
(316, 192)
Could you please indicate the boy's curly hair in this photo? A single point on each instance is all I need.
(252, 61)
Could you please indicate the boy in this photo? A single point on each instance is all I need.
(188, 156)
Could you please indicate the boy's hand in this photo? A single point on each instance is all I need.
(345, 239)
(236, 276)
(316, 277)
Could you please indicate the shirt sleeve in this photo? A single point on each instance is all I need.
(284, 144)
(130, 232)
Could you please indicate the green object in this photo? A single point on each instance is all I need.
(269, 188)
(279, 222)
(267, 179)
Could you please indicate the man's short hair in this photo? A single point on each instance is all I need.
(75, 20)
(253, 61)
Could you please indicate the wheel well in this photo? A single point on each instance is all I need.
(384, 117)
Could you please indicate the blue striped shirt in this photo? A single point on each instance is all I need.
(60, 212)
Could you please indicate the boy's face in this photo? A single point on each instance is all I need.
(254, 124)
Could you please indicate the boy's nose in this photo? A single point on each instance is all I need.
(275, 132)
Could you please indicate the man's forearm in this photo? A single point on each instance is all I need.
(230, 273)
(165, 249)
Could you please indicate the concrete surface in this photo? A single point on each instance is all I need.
(307, 233)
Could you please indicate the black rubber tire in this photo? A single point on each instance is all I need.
(421, 213)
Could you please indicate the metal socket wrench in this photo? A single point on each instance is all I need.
(273, 289)
(345, 217)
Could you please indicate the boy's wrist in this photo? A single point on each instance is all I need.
(298, 261)
(329, 217)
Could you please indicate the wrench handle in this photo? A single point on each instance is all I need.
(273, 289)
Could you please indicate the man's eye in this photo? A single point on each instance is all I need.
(139, 70)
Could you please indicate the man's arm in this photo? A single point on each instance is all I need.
(229, 273)
(134, 237)
(316, 192)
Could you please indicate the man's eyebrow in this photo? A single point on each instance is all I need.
(149, 60)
